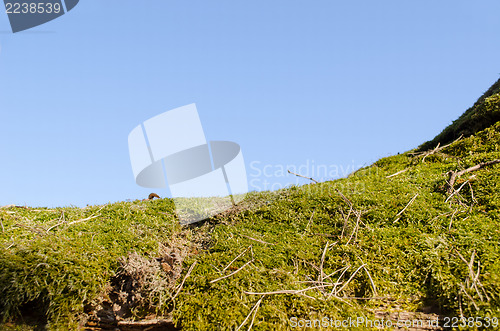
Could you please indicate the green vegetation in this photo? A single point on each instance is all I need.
(392, 237)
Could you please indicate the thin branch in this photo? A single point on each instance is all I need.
(254, 308)
(239, 255)
(454, 174)
(407, 205)
(321, 273)
(310, 178)
(310, 220)
(397, 173)
(232, 273)
(185, 277)
(287, 291)
(371, 281)
(438, 149)
(456, 191)
(350, 278)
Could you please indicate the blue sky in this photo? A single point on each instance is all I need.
(331, 83)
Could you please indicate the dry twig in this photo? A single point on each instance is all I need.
(407, 205)
(254, 310)
(310, 178)
(397, 173)
(454, 174)
(183, 280)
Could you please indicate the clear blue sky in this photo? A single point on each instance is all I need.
(332, 83)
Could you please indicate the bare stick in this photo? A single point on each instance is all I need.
(435, 150)
(288, 291)
(310, 220)
(454, 174)
(83, 219)
(321, 273)
(371, 281)
(468, 296)
(451, 219)
(350, 278)
(185, 277)
(3, 229)
(254, 308)
(32, 229)
(356, 227)
(346, 219)
(146, 324)
(344, 198)
(338, 280)
(456, 191)
(254, 314)
(407, 205)
(314, 180)
(474, 276)
(397, 173)
(232, 273)
(236, 258)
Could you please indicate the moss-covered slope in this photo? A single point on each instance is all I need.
(392, 238)
(484, 113)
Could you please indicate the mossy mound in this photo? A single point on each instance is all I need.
(484, 113)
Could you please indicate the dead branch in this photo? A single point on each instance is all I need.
(407, 205)
(239, 255)
(321, 273)
(310, 220)
(438, 149)
(288, 291)
(350, 278)
(454, 174)
(32, 229)
(232, 273)
(254, 308)
(456, 191)
(183, 280)
(310, 178)
(146, 324)
(397, 173)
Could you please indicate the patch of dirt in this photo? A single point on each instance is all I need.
(138, 288)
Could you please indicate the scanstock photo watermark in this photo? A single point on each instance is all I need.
(204, 178)
(264, 177)
(26, 14)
